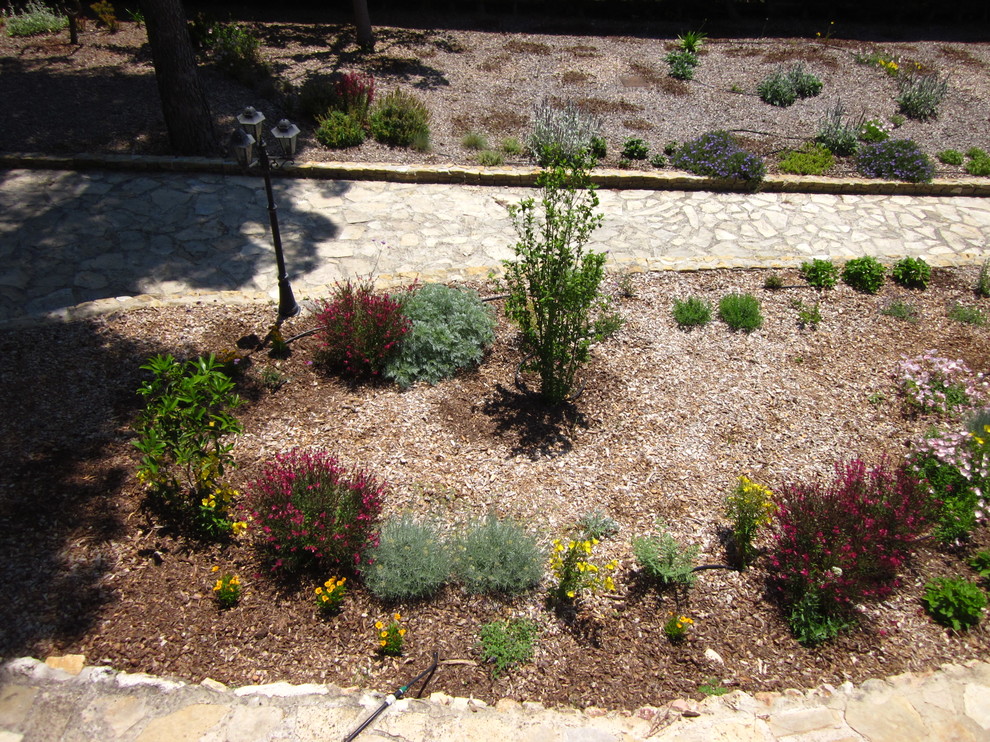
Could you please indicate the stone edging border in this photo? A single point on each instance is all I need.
(499, 176)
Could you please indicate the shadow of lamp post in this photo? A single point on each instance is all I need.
(242, 141)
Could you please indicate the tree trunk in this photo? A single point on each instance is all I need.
(365, 36)
(184, 104)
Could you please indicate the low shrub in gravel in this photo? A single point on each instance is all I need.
(810, 159)
(359, 330)
(692, 312)
(783, 87)
(490, 158)
(841, 543)
(741, 312)
(979, 162)
(717, 155)
(874, 130)
(348, 92)
(682, 64)
(635, 149)
(950, 157)
(664, 559)
(864, 274)
(920, 96)
(450, 329)
(410, 561)
(498, 557)
(898, 159)
(310, 511)
(561, 133)
(913, 273)
(35, 19)
(338, 130)
(400, 119)
(901, 310)
(507, 643)
(836, 133)
(822, 274)
(954, 602)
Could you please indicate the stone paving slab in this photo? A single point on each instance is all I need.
(62, 700)
(71, 237)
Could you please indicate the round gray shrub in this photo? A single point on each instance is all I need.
(498, 556)
(410, 561)
(450, 330)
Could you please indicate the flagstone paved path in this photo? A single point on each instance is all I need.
(69, 237)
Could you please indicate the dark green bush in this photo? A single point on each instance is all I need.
(811, 159)
(599, 148)
(399, 119)
(822, 274)
(498, 557)
(236, 50)
(635, 149)
(682, 64)
(950, 157)
(864, 274)
(450, 330)
(339, 130)
(410, 561)
(912, 273)
(777, 89)
(507, 643)
(898, 159)
(954, 602)
(692, 312)
(979, 162)
(741, 312)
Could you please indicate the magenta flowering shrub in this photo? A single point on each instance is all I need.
(359, 330)
(845, 541)
(353, 93)
(311, 511)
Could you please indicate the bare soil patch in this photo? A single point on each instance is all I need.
(104, 98)
(667, 422)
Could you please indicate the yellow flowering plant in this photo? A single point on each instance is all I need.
(390, 636)
(750, 506)
(676, 628)
(575, 572)
(227, 589)
(330, 595)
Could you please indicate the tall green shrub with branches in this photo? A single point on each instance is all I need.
(554, 282)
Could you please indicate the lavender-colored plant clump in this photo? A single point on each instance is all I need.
(899, 159)
(716, 154)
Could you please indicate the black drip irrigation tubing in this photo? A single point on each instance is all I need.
(389, 700)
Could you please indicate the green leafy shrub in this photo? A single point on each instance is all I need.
(980, 562)
(553, 283)
(682, 64)
(339, 130)
(950, 157)
(410, 561)
(312, 512)
(807, 316)
(512, 146)
(911, 273)
(474, 140)
(864, 274)
(956, 497)
(658, 160)
(967, 315)
(599, 148)
(597, 525)
(400, 119)
(227, 590)
(664, 559)
(635, 149)
(507, 643)
(773, 282)
(716, 154)
(979, 162)
(359, 330)
(898, 159)
(489, 158)
(741, 312)
(450, 329)
(692, 312)
(806, 84)
(498, 557)
(185, 435)
(750, 507)
(35, 19)
(691, 41)
(874, 130)
(920, 96)
(822, 274)
(782, 88)
(836, 133)
(811, 159)
(561, 134)
(843, 542)
(901, 310)
(954, 602)
(236, 51)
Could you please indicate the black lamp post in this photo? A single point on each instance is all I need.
(242, 142)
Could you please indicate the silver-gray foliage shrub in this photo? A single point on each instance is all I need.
(410, 561)
(561, 133)
(450, 330)
(498, 556)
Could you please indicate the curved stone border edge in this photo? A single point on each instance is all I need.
(500, 176)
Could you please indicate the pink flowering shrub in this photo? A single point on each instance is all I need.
(353, 93)
(310, 511)
(939, 385)
(359, 330)
(844, 542)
